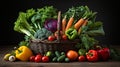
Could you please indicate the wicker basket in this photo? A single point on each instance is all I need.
(42, 46)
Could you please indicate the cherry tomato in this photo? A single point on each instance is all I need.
(38, 58)
(51, 38)
(81, 58)
(45, 59)
(64, 37)
(32, 58)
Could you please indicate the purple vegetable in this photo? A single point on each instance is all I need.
(51, 25)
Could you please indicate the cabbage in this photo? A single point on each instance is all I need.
(51, 25)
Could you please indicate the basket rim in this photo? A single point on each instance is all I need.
(55, 41)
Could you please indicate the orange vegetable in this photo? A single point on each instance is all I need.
(79, 23)
(64, 24)
(72, 55)
(84, 24)
(70, 22)
(79, 30)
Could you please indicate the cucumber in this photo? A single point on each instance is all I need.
(61, 58)
(54, 59)
(57, 53)
(62, 53)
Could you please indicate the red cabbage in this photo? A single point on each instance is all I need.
(51, 25)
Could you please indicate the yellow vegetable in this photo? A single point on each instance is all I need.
(23, 53)
(6, 57)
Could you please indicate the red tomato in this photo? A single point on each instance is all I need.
(45, 59)
(32, 58)
(81, 58)
(51, 38)
(72, 55)
(92, 55)
(64, 37)
(38, 58)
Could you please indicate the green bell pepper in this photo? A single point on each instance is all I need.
(71, 33)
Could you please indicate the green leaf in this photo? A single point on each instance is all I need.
(114, 54)
(95, 25)
(85, 42)
(97, 32)
(24, 43)
(30, 12)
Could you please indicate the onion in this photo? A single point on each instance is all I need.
(51, 25)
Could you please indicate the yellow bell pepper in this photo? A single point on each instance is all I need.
(23, 53)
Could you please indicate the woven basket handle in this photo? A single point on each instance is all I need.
(59, 26)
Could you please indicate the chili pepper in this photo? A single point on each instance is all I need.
(92, 55)
(71, 33)
(23, 53)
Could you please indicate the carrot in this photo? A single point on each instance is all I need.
(84, 24)
(64, 24)
(79, 23)
(79, 30)
(70, 22)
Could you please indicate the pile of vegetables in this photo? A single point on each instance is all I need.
(32, 22)
(81, 22)
(77, 23)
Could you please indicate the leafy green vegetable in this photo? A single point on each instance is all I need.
(47, 13)
(23, 43)
(22, 25)
(87, 41)
(95, 29)
(97, 32)
(42, 34)
(36, 21)
(114, 54)
(29, 13)
(89, 32)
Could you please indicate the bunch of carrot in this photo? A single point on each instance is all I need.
(66, 25)
(77, 24)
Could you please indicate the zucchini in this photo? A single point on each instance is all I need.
(54, 59)
(62, 53)
(61, 58)
(57, 53)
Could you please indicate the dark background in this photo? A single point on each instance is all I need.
(107, 13)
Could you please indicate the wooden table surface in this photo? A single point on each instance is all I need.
(6, 49)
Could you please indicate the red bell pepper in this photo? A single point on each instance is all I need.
(92, 55)
(104, 53)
